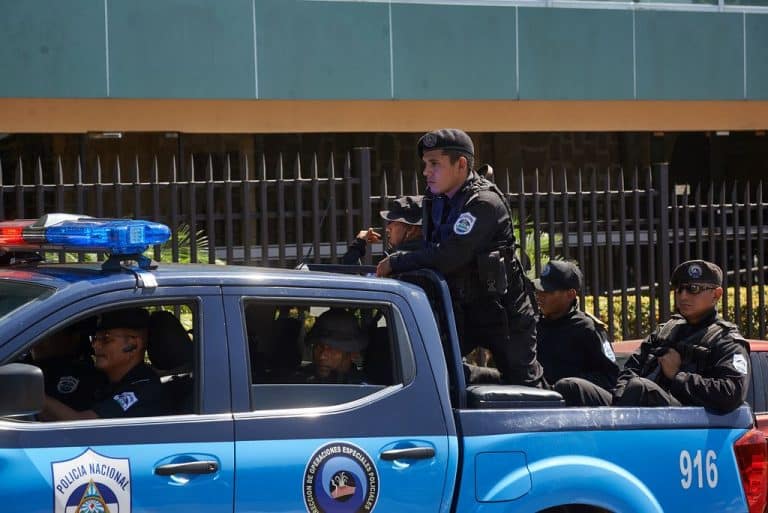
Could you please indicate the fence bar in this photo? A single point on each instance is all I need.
(595, 255)
(154, 183)
(20, 191)
(609, 256)
(536, 223)
(736, 252)
(174, 202)
(761, 257)
(662, 185)
(280, 185)
(675, 209)
(699, 224)
(566, 222)
(724, 249)
(136, 188)
(363, 165)
(210, 209)
(40, 196)
(348, 198)
(229, 235)
(551, 214)
(522, 215)
(638, 265)
(652, 241)
(316, 213)
(623, 254)
(298, 207)
(247, 209)
(749, 260)
(580, 231)
(686, 225)
(264, 207)
(334, 236)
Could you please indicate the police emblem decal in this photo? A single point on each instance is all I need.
(67, 384)
(340, 478)
(92, 482)
(545, 271)
(430, 140)
(464, 224)
(740, 364)
(126, 400)
(695, 271)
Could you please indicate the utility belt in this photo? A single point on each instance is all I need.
(492, 276)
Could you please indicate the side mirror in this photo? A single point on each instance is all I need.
(21, 389)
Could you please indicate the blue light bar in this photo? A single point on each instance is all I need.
(113, 236)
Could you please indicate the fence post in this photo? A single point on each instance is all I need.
(363, 170)
(661, 175)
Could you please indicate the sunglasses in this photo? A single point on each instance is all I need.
(692, 288)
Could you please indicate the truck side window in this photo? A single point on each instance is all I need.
(312, 355)
(131, 361)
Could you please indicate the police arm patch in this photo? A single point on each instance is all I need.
(740, 363)
(126, 400)
(464, 224)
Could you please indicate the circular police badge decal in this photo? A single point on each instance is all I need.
(545, 271)
(695, 271)
(430, 140)
(340, 478)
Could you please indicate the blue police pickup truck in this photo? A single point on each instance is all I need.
(241, 432)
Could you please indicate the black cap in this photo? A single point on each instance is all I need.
(446, 139)
(697, 271)
(559, 275)
(340, 329)
(127, 318)
(406, 209)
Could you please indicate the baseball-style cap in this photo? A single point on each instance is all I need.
(559, 275)
(446, 139)
(697, 271)
(340, 329)
(126, 318)
(406, 209)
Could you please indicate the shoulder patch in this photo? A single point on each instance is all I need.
(464, 224)
(740, 363)
(126, 400)
(608, 350)
(67, 384)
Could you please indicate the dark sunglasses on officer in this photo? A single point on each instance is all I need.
(693, 288)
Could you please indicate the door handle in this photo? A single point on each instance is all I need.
(412, 453)
(192, 467)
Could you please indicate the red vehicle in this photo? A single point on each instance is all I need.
(758, 391)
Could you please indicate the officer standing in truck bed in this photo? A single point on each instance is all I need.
(469, 239)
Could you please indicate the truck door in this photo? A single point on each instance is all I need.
(179, 462)
(373, 438)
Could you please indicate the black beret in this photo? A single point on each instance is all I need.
(446, 139)
(559, 275)
(406, 209)
(127, 318)
(697, 271)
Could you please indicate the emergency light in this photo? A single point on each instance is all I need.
(69, 232)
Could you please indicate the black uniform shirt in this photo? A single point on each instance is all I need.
(74, 382)
(719, 381)
(138, 394)
(473, 222)
(572, 346)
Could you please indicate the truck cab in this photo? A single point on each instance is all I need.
(248, 428)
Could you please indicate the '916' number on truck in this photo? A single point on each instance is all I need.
(695, 467)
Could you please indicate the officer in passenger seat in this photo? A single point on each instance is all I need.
(337, 341)
(469, 239)
(134, 389)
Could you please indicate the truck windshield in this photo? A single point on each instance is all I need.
(15, 294)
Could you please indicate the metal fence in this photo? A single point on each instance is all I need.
(627, 230)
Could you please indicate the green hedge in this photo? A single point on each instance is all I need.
(749, 321)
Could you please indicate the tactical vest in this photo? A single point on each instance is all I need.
(694, 349)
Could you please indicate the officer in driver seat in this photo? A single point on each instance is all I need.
(134, 389)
